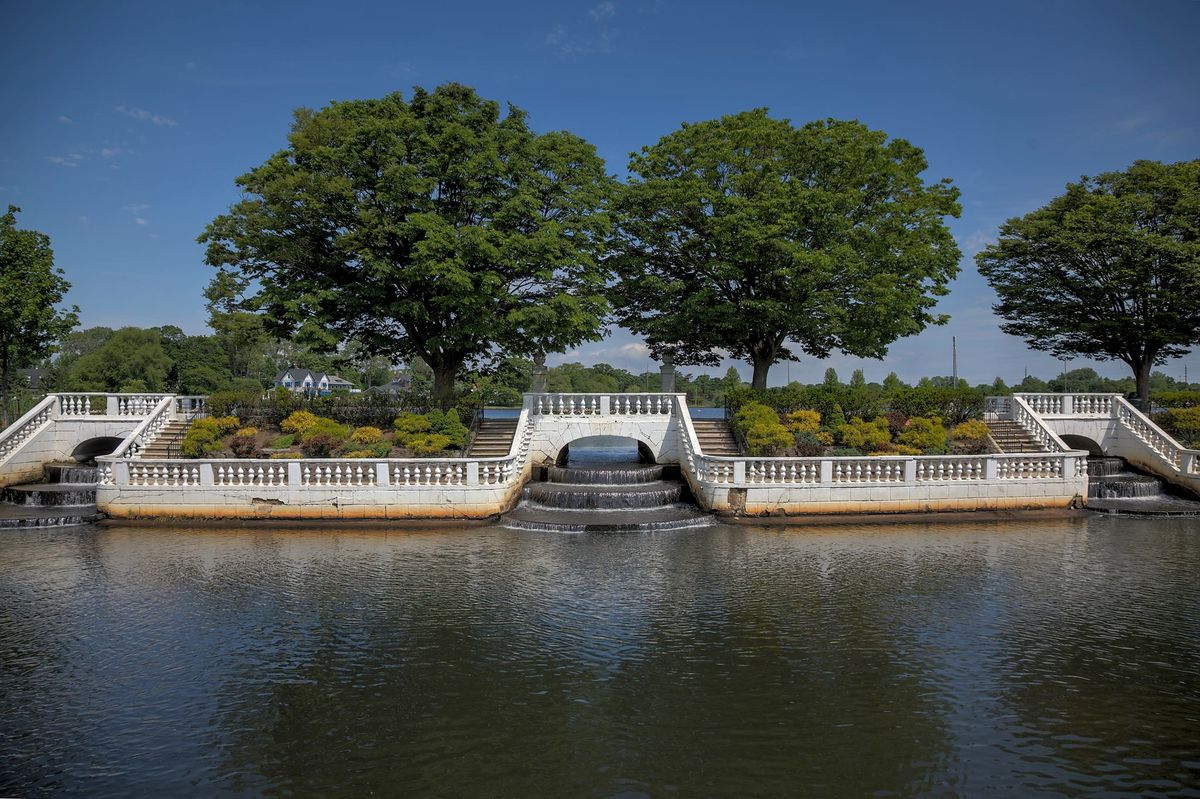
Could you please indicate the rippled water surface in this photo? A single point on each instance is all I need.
(1056, 657)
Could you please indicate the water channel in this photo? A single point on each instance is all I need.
(1052, 657)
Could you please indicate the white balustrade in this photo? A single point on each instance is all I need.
(82, 404)
(867, 470)
(27, 426)
(941, 469)
(1150, 434)
(162, 473)
(642, 404)
(428, 473)
(601, 404)
(257, 473)
(338, 473)
(1029, 467)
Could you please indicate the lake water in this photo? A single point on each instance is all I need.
(1050, 657)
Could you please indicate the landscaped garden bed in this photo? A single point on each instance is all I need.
(303, 434)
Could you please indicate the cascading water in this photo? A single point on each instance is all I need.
(594, 496)
(68, 497)
(1114, 488)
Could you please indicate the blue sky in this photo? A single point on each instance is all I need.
(124, 124)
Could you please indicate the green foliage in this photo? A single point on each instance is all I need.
(845, 452)
(298, 422)
(863, 435)
(802, 421)
(427, 444)
(1184, 423)
(327, 428)
(283, 442)
(411, 424)
(130, 356)
(808, 445)
(244, 443)
(225, 424)
(449, 425)
(432, 227)
(972, 430)
(1108, 270)
(30, 287)
(722, 247)
(955, 405)
(1177, 399)
(764, 433)
(287, 454)
(926, 434)
(202, 439)
(366, 435)
(320, 445)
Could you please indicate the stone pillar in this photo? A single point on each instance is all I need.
(539, 374)
(667, 371)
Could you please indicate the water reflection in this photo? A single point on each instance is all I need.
(914, 659)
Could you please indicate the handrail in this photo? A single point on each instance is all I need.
(1180, 458)
(1025, 416)
(198, 407)
(22, 430)
(152, 423)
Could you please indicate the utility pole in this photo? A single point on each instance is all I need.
(954, 358)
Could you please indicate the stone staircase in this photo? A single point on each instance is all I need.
(493, 439)
(715, 437)
(172, 431)
(1011, 437)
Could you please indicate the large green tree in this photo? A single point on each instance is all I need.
(435, 227)
(131, 359)
(742, 234)
(30, 289)
(1108, 270)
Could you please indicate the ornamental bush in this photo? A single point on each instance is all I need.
(202, 438)
(366, 435)
(289, 454)
(409, 425)
(1185, 424)
(283, 442)
(764, 433)
(244, 443)
(321, 445)
(803, 421)
(864, 435)
(325, 427)
(226, 424)
(427, 444)
(298, 422)
(971, 437)
(808, 445)
(449, 424)
(926, 434)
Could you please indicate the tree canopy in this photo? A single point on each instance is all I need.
(434, 228)
(31, 287)
(744, 233)
(1108, 270)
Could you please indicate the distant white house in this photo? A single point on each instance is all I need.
(304, 381)
(401, 384)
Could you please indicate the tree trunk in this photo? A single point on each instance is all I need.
(443, 381)
(4, 382)
(762, 364)
(1141, 373)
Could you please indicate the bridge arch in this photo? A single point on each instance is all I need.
(1083, 442)
(92, 448)
(637, 449)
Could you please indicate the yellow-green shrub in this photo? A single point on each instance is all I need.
(202, 439)
(359, 453)
(226, 424)
(325, 427)
(427, 444)
(897, 449)
(925, 433)
(825, 437)
(366, 435)
(247, 431)
(409, 425)
(865, 435)
(803, 421)
(1186, 423)
(298, 422)
(278, 455)
(764, 432)
(972, 430)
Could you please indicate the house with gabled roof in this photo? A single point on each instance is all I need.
(306, 381)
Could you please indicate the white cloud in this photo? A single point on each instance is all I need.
(109, 152)
(143, 115)
(141, 221)
(65, 119)
(62, 161)
(136, 211)
(602, 11)
(596, 38)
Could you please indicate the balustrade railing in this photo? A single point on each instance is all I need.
(600, 404)
(144, 433)
(1071, 404)
(27, 426)
(1028, 417)
(1178, 456)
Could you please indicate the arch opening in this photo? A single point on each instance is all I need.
(1082, 442)
(95, 447)
(604, 449)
